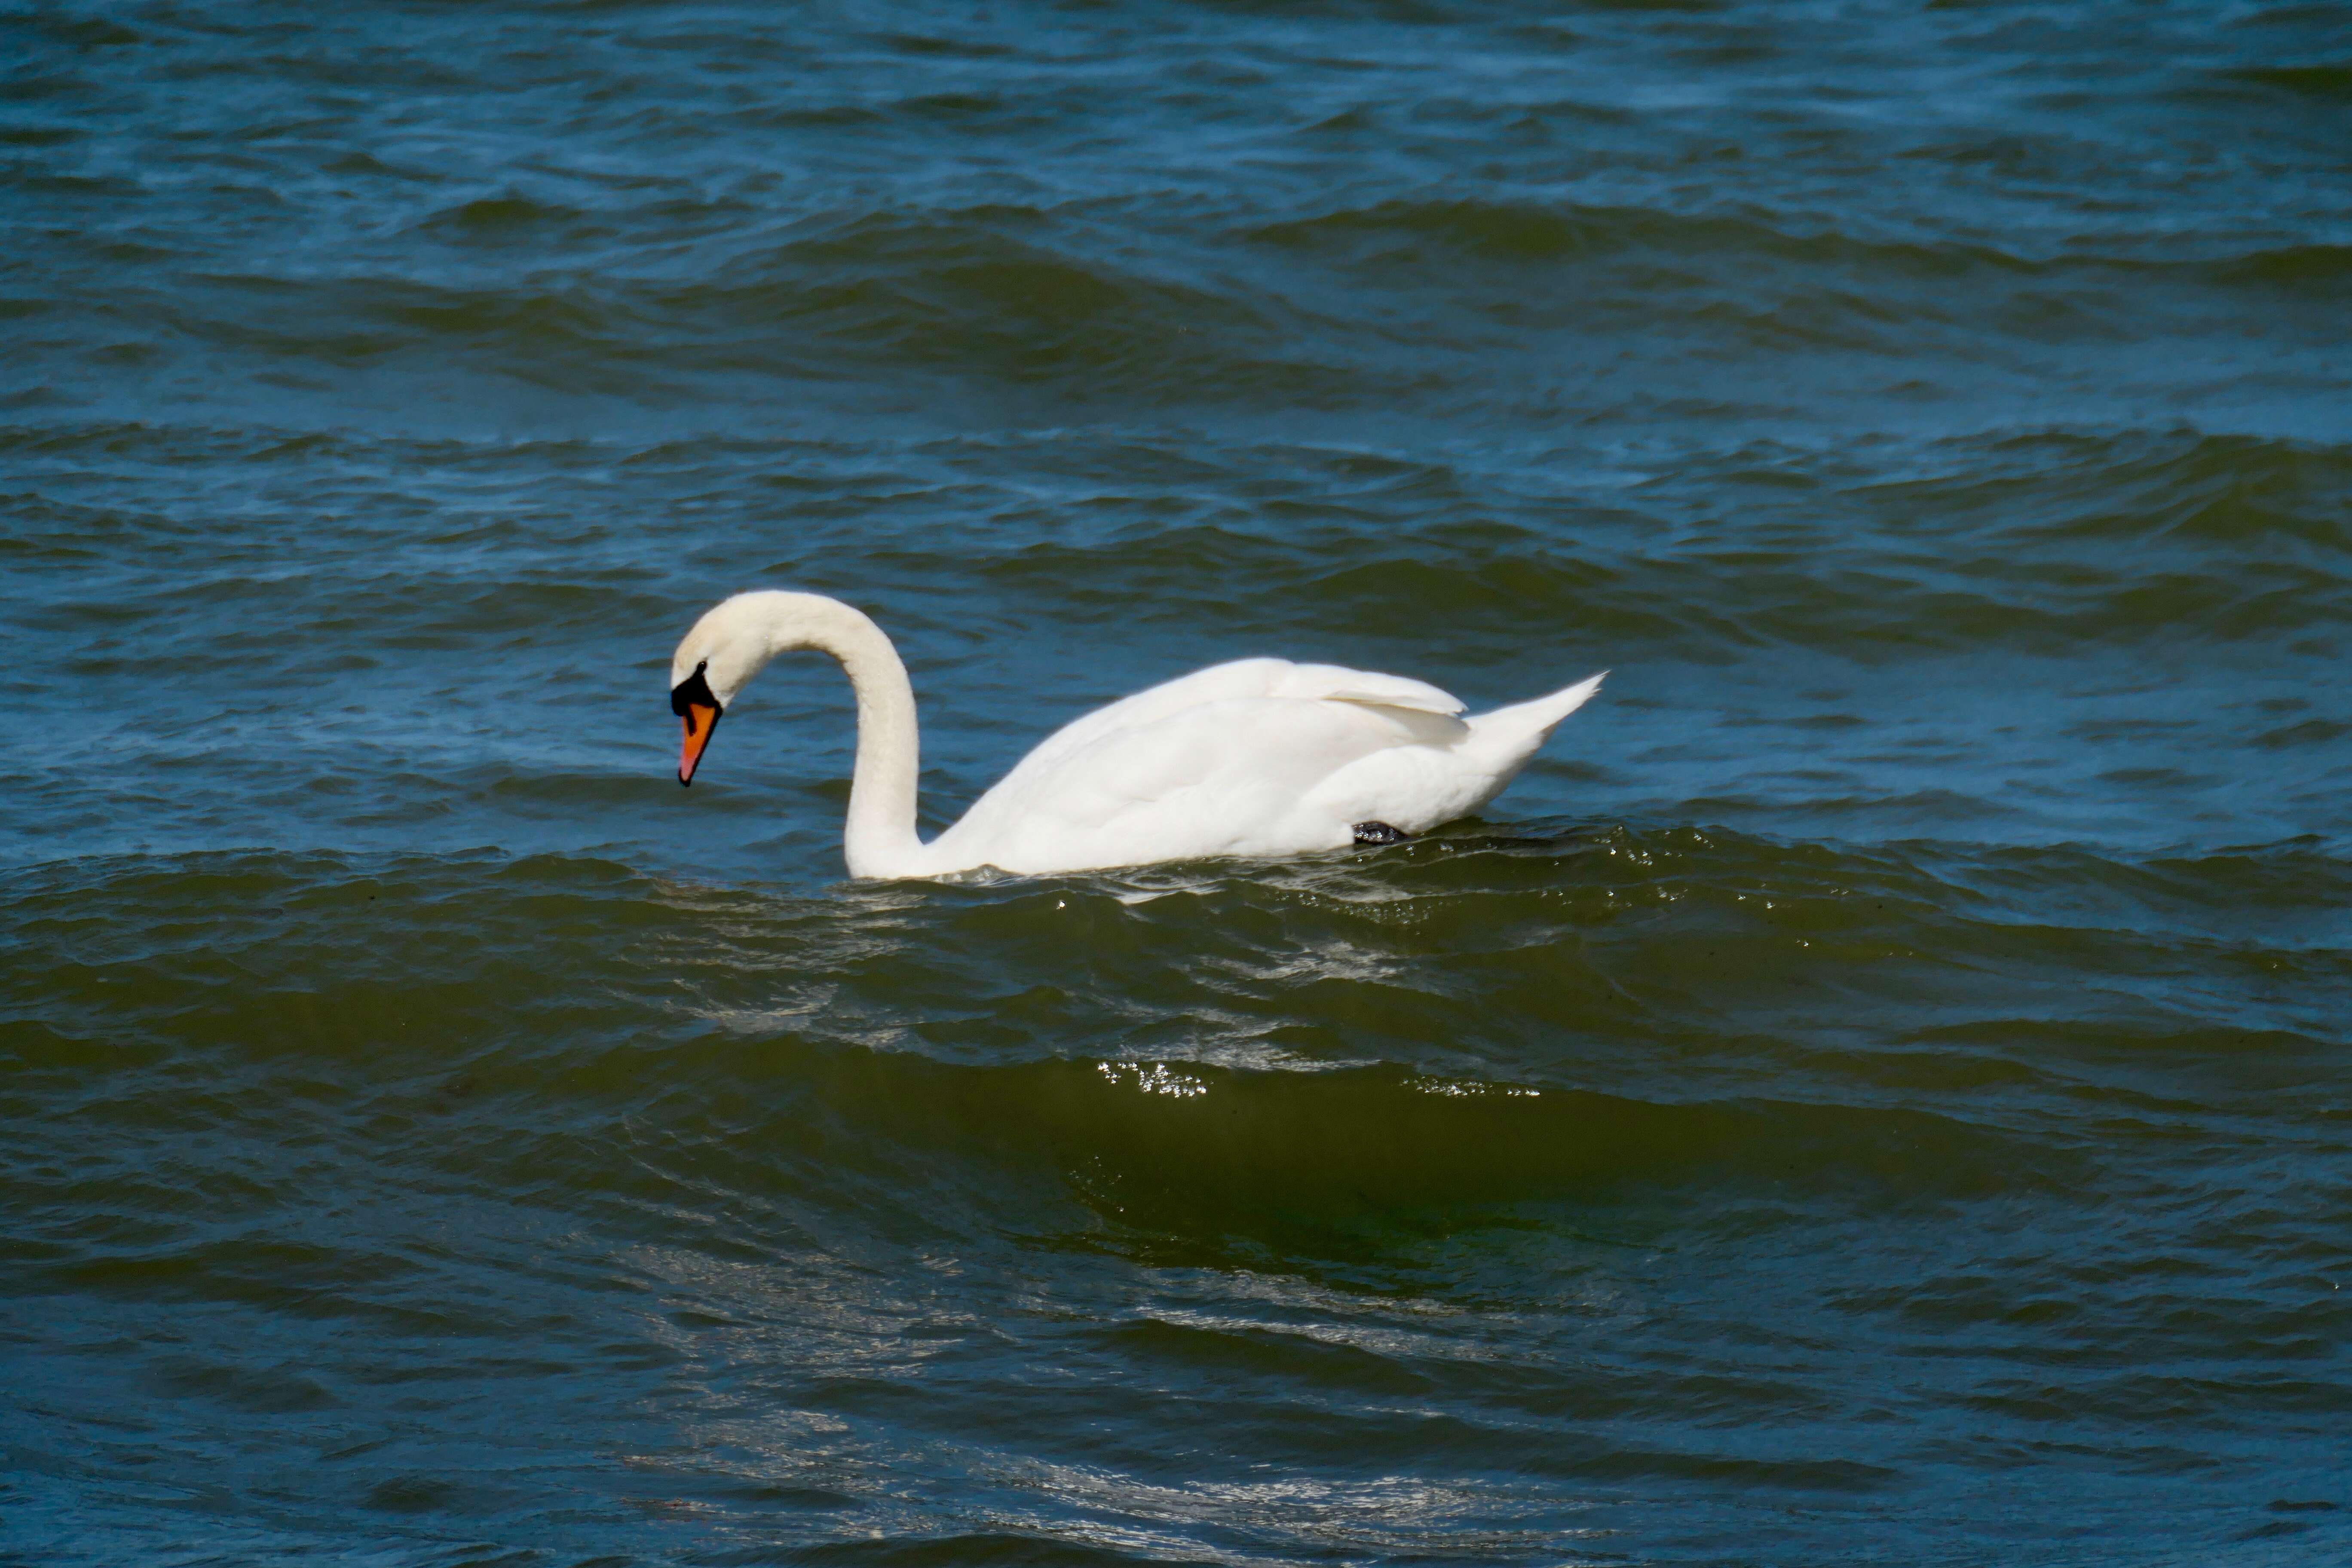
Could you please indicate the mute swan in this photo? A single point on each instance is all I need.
(1257, 757)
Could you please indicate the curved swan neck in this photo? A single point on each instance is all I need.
(879, 839)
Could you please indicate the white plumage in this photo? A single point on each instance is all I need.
(1259, 757)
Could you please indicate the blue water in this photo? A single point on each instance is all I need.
(1876, 1090)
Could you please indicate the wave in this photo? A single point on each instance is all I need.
(1293, 1054)
(1430, 237)
(1152, 301)
(2325, 81)
(2231, 541)
(1415, 234)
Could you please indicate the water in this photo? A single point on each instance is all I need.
(1877, 1090)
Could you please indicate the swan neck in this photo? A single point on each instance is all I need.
(879, 839)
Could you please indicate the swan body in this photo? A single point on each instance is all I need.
(1258, 757)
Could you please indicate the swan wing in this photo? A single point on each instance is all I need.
(1242, 678)
(1214, 774)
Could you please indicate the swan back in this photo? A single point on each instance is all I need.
(1226, 761)
(1242, 678)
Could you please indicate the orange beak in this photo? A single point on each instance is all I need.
(701, 719)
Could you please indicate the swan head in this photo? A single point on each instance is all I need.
(728, 646)
(733, 641)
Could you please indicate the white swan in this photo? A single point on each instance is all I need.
(1257, 757)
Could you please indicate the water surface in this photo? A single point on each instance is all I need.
(1876, 1090)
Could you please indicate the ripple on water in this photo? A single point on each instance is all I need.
(1874, 1088)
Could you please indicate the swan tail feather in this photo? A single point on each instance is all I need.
(1523, 726)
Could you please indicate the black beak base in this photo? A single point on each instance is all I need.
(694, 690)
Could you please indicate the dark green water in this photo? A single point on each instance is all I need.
(1877, 1090)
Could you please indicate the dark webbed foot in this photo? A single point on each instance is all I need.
(1380, 832)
